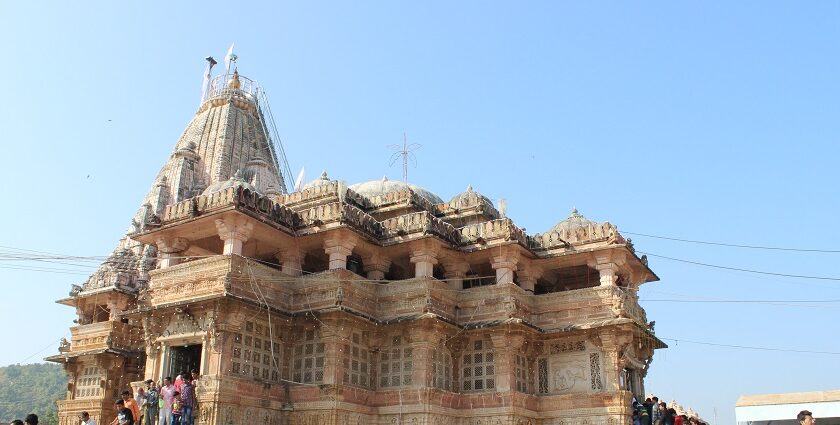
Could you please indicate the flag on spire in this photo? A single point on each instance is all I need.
(230, 57)
(299, 179)
(207, 73)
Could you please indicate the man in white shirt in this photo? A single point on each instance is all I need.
(167, 393)
(86, 419)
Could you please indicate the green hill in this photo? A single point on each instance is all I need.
(32, 388)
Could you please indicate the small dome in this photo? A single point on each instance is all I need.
(320, 181)
(380, 187)
(575, 221)
(236, 181)
(469, 198)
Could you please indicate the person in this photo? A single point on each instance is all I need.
(187, 401)
(140, 399)
(17, 422)
(124, 414)
(644, 417)
(176, 408)
(31, 419)
(86, 419)
(151, 409)
(656, 414)
(636, 419)
(167, 392)
(131, 404)
(805, 417)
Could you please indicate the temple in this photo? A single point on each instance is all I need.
(371, 303)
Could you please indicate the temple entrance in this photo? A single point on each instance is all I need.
(183, 358)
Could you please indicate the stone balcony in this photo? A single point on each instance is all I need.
(232, 275)
(103, 335)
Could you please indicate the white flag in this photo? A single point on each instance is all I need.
(229, 57)
(299, 179)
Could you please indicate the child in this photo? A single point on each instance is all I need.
(176, 408)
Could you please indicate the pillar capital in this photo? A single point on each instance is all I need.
(234, 232)
(528, 275)
(424, 256)
(339, 247)
(376, 266)
(505, 266)
(170, 247)
(291, 261)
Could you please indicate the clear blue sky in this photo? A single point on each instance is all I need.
(699, 120)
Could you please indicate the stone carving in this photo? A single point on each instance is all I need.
(566, 377)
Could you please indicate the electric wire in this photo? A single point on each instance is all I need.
(739, 269)
(732, 245)
(750, 347)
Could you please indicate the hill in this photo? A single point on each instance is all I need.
(32, 388)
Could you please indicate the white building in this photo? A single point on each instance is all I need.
(781, 409)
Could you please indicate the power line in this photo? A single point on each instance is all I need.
(746, 301)
(738, 269)
(748, 347)
(732, 245)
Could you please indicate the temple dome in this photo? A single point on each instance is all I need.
(469, 198)
(574, 222)
(237, 180)
(320, 181)
(375, 188)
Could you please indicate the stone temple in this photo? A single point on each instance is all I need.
(371, 303)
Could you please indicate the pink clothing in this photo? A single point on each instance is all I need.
(168, 393)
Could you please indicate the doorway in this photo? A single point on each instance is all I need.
(184, 358)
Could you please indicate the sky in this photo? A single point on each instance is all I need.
(704, 121)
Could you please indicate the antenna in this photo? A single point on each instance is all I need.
(406, 152)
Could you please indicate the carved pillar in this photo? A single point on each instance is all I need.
(505, 266)
(339, 248)
(291, 261)
(528, 276)
(376, 266)
(421, 340)
(170, 249)
(334, 337)
(506, 347)
(424, 257)
(607, 265)
(455, 272)
(234, 232)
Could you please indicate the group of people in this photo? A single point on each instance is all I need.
(170, 403)
(655, 412)
(31, 419)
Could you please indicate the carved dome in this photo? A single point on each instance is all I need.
(574, 222)
(236, 181)
(469, 198)
(375, 188)
(320, 181)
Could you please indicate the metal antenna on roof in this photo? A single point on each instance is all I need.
(406, 152)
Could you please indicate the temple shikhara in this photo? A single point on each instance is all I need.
(369, 303)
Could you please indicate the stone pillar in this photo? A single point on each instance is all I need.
(506, 348)
(528, 276)
(376, 266)
(339, 249)
(455, 272)
(334, 336)
(422, 346)
(505, 266)
(234, 232)
(171, 250)
(291, 261)
(607, 265)
(424, 257)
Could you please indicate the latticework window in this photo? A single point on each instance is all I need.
(88, 384)
(396, 364)
(542, 376)
(442, 369)
(308, 361)
(595, 371)
(256, 352)
(521, 373)
(356, 362)
(478, 367)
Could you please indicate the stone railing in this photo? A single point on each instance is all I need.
(200, 278)
(101, 335)
(236, 197)
(502, 228)
(594, 232)
(401, 197)
(420, 222)
(584, 307)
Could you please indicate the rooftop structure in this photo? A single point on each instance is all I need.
(371, 303)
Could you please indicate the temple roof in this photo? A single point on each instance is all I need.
(320, 181)
(575, 221)
(374, 188)
(469, 198)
